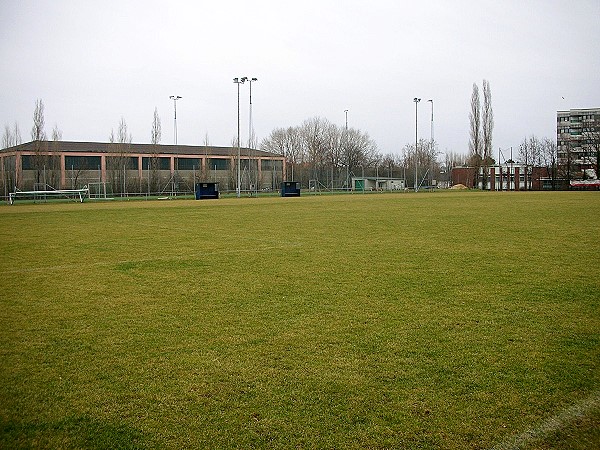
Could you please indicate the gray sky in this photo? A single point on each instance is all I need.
(93, 62)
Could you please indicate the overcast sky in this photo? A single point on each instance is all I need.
(93, 62)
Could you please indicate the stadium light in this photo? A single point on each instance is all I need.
(347, 154)
(250, 80)
(175, 98)
(416, 100)
(238, 81)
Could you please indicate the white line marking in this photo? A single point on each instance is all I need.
(555, 423)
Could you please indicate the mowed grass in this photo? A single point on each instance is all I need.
(447, 320)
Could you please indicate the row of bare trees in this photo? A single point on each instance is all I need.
(320, 150)
(542, 152)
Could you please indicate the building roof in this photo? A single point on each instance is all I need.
(578, 111)
(149, 149)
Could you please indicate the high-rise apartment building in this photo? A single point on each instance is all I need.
(578, 142)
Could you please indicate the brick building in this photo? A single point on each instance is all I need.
(502, 177)
(135, 168)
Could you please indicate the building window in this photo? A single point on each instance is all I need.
(218, 164)
(271, 164)
(82, 162)
(188, 164)
(121, 162)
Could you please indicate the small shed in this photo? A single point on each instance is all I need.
(207, 190)
(290, 189)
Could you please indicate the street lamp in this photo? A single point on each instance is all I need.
(238, 81)
(416, 100)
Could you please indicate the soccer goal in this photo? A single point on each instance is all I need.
(100, 190)
(80, 194)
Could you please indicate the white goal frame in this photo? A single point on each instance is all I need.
(69, 193)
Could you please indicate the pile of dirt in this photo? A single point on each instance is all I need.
(459, 186)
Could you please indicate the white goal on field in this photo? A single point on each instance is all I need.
(45, 194)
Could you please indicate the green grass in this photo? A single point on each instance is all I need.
(447, 320)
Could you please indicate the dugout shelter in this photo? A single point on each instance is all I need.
(207, 191)
(290, 189)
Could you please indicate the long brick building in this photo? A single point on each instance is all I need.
(134, 168)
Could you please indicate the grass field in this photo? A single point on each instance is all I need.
(448, 320)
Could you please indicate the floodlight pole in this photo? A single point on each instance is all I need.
(430, 100)
(431, 143)
(238, 81)
(250, 80)
(347, 155)
(416, 100)
(175, 98)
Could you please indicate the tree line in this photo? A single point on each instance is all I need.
(331, 155)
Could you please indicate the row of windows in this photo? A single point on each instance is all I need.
(580, 142)
(577, 118)
(29, 162)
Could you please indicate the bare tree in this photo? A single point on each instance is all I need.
(475, 141)
(17, 134)
(37, 131)
(153, 161)
(425, 156)
(53, 159)
(287, 142)
(40, 146)
(118, 163)
(487, 120)
(549, 160)
(156, 129)
(530, 155)
(7, 137)
(314, 140)
(389, 162)
(487, 127)
(11, 136)
(453, 159)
